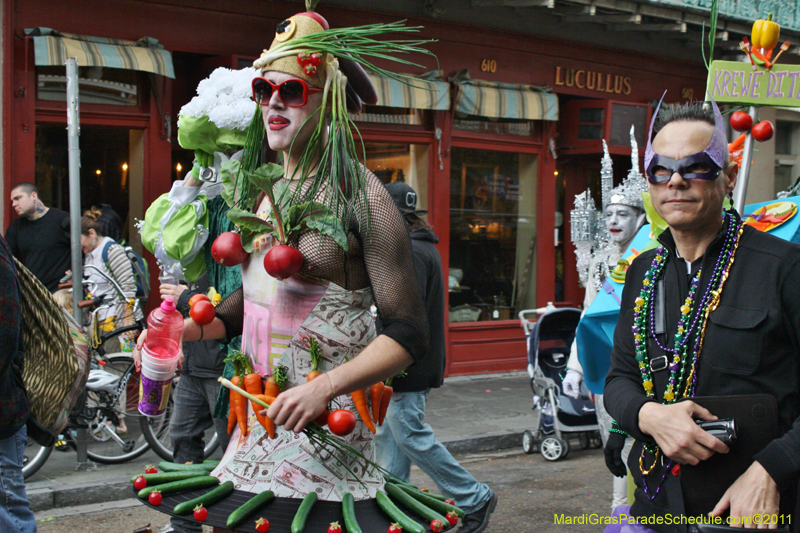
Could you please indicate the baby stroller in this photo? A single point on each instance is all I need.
(559, 416)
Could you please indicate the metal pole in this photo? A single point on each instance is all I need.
(73, 132)
(740, 191)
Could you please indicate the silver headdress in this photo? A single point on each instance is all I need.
(629, 192)
(588, 230)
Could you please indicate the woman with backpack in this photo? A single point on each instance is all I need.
(110, 258)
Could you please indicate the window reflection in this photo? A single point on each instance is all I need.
(492, 234)
(401, 162)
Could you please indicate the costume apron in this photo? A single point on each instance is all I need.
(277, 315)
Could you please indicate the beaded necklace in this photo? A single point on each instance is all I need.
(691, 318)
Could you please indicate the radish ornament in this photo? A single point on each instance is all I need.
(227, 249)
(283, 261)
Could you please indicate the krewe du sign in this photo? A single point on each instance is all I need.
(737, 83)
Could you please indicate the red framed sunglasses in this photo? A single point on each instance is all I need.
(293, 93)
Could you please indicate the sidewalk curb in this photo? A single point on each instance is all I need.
(45, 499)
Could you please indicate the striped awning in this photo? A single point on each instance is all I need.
(505, 100)
(52, 48)
(422, 94)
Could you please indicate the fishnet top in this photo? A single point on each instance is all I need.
(379, 257)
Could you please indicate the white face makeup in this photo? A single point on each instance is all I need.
(622, 222)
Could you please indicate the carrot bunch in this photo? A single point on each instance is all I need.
(238, 406)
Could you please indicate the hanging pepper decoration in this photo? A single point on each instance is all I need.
(764, 37)
(765, 34)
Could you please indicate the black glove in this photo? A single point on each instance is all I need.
(613, 451)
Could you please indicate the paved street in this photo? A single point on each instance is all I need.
(530, 490)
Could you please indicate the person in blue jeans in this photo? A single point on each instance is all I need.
(404, 436)
(15, 509)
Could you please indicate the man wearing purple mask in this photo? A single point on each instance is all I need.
(693, 324)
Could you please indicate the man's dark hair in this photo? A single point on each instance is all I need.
(27, 187)
(690, 111)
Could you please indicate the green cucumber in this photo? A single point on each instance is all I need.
(209, 498)
(238, 516)
(433, 503)
(349, 513)
(183, 485)
(165, 466)
(165, 477)
(299, 522)
(210, 463)
(413, 505)
(396, 514)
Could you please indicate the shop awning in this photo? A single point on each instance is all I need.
(505, 100)
(424, 94)
(53, 48)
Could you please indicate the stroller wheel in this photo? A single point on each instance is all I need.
(595, 439)
(553, 448)
(529, 444)
(584, 440)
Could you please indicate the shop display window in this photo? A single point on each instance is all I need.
(492, 234)
(401, 162)
(97, 85)
(111, 170)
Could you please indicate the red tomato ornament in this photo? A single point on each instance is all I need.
(282, 261)
(741, 121)
(451, 502)
(155, 497)
(341, 422)
(763, 131)
(227, 249)
(198, 298)
(150, 469)
(424, 489)
(203, 312)
(139, 483)
(200, 513)
(395, 528)
(452, 518)
(334, 528)
(262, 525)
(437, 526)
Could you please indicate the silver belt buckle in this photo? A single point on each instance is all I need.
(659, 363)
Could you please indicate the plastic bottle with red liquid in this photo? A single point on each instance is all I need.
(160, 357)
(164, 328)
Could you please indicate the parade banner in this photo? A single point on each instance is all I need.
(734, 82)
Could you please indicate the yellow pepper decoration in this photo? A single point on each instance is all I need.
(765, 33)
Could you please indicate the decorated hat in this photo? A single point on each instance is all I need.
(310, 63)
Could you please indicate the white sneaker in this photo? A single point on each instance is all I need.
(166, 529)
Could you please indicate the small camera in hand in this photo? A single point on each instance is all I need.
(724, 428)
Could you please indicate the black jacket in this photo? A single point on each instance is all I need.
(751, 345)
(428, 372)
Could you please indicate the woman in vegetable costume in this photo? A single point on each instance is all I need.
(354, 248)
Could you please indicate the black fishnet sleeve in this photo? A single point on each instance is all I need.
(390, 267)
(231, 312)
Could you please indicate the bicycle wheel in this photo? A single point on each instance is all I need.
(156, 431)
(109, 410)
(34, 457)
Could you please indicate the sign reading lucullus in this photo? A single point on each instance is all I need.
(593, 80)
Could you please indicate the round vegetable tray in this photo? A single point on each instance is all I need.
(280, 513)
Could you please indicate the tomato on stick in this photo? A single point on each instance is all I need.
(763, 131)
(202, 312)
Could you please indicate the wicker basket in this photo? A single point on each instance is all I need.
(464, 313)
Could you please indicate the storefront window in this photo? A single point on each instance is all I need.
(401, 162)
(111, 169)
(492, 234)
(96, 85)
(392, 115)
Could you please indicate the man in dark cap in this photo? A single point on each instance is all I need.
(405, 437)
